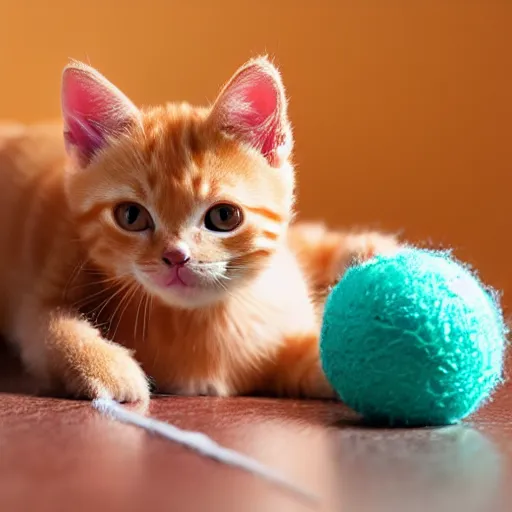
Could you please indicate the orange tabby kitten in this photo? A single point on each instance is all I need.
(159, 245)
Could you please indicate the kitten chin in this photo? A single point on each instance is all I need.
(211, 293)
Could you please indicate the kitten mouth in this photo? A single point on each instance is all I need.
(178, 278)
(179, 287)
(176, 281)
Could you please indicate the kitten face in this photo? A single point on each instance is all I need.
(187, 203)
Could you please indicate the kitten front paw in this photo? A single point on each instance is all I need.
(106, 370)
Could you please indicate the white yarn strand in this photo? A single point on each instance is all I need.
(198, 442)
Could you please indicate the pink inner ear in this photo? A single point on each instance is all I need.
(253, 107)
(260, 95)
(93, 109)
(79, 118)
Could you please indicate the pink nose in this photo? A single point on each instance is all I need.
(177, 255)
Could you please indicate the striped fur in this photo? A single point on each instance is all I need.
(77, 295)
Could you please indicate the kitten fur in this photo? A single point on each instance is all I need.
(94, 305)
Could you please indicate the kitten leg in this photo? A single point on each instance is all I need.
(62, 349)
(324, 255)
(296, 370)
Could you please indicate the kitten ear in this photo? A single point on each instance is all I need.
(93, 110)
(252, 106)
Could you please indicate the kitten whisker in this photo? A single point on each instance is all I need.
(137, 317)
(104, 303)
(127, 304)
(116, 279)
(147, 311)
(86, 300)
(76, 271)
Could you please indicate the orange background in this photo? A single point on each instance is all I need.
(402, 109)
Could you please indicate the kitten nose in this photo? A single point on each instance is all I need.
(177, 255)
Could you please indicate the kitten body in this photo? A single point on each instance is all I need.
(159, 244)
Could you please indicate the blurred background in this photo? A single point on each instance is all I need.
(402, 109)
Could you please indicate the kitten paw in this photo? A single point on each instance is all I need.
(105, 370)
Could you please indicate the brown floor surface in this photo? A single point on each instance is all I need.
(60, 455)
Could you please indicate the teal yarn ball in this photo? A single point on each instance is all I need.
(412, 339)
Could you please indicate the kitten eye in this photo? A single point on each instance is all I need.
(223, 217)
(133, 217)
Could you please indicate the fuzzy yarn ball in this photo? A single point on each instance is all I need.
(412, 339)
